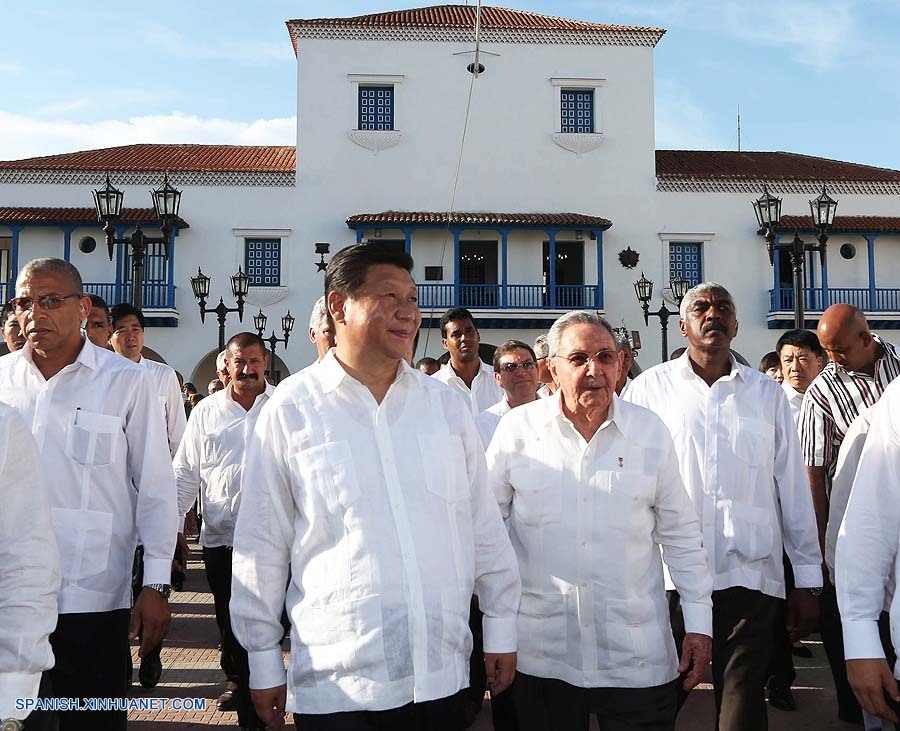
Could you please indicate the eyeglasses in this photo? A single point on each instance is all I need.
(528, 365)
(47, 301)
(580, 360)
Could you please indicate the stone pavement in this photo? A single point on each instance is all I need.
(191, 670)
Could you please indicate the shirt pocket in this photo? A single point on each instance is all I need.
(84, 538)
(92, 438)
(747, 530)
(329, 470)
(445, 467)
(753, 442)
(537, 500)
(632, 630)
(543, 625)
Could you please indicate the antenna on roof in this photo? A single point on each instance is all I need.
(739, 127)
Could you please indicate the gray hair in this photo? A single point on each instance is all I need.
(576, 317)
(697, 291)
(49, 265)
(540, 346)
(220, 361)
(318, 315)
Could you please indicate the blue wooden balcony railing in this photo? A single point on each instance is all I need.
(815, 299)
(157, 295)
(518, 296)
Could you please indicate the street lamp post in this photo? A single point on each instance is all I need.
(240, 285)
(643, 288)
(768, 215)
(108, 203)
(287, 324)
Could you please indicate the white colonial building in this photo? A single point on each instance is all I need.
(558, 165)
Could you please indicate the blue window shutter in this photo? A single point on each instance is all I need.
(685, 262)
(263, 262)
(376, 107)
(577, 110)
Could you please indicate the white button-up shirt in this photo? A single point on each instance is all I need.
(29, 567)
(383, 514)
(586, 520)
(488, 419)
(165, 384)
(210, 459)
(101, 436)
(485, 391)
(794, 399)
(866, 559)
(741, 463)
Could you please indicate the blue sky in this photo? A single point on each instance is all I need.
(815, 77)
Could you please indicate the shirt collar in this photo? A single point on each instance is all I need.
(791, 392)
(615, 416)
(270, 389)
(684, 367)
(332, 373)
(87, 356)
(482, 367)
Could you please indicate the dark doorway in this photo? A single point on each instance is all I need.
(478, 274)
(569, 274)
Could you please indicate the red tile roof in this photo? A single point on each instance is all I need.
(202, 158)
(482, 218)
(131, 216)
(706, 164)
(463, 16)
(845, 224)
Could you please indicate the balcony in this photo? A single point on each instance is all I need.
(815, 299)
(157, 295)
(510, 297)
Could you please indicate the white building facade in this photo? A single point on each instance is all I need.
(559, 164)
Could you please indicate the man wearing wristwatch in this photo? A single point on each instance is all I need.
(105, 458)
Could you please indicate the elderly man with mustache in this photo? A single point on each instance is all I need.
(209, 459)
(740, 460)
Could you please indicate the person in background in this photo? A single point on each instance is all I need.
(541, 352)
(428, 366)
(627, 361)
(221, 370)
(515, 370)
(98, 325)
(802, 359)
(12, 333)
(465, 370)
(195, 398)
(770, 364)
(321, 330)
(215, 385)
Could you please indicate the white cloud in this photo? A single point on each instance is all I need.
(169, 42)
(681, 124)
(816, 34)
(22, 136)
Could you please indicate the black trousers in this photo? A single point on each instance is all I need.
(137, 586)
(543, 704)
(43, 720)
(443, 714)
(833, 642)
(741, 650)
(781, 666)
(234, 661)
(503, 710)
(92, 656)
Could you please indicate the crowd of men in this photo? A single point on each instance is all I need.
(573, 536)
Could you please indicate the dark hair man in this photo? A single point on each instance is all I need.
(515, 370)
(741, 463)
(360, 463)
(588, 509)
(98, 325)
(860, 367)
(12, 333)
(104, 453)
(429, 366)
(465, 371)
(220, 425)
(802, 359)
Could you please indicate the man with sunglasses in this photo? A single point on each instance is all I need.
(515, 370)
(105, 458)
(589, 486)
(740, 459)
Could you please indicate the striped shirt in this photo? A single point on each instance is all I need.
(833, 400)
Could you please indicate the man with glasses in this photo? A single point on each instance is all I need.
(515, 370)
(590, 489)
(98, 325)
(741, 463)
(105, 458)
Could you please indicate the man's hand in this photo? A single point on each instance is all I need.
(151, 612)
(696, 652)
(871, 680)
(269, 704)
(802, 614)
(181, 544)
(190, 522)
(501, 669)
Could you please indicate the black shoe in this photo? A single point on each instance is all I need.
(150, 671)
(782, 698)
(802, 651)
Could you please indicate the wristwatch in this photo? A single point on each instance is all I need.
(164, 589)
(11, 724)
(815, 590)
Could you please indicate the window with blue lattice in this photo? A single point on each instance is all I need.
(263, 262)
(376, 107)
(577, 110)
(685, 262)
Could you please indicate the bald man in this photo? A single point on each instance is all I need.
(860, 366)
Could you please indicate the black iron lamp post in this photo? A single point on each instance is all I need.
(166, 202)
(287, 324)
(643, 288)
(240, 285)
(768, 215)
